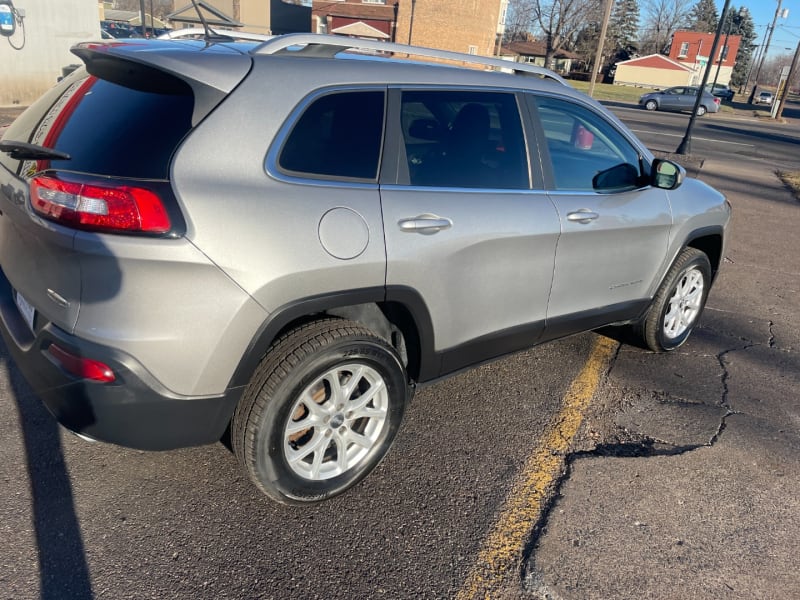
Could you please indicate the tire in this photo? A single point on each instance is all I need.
(678, 303)
(303, 431)
(651, 105)
(701, 110)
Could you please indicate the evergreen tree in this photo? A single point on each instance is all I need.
(623, 27)
(704, 17)
(740, 22)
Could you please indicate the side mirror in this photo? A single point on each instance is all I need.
(618, 178)
(666, 174)
(8, 18)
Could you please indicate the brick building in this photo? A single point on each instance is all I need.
(470, 27)
(692, 49)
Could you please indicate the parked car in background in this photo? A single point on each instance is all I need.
(275, 243)
(680, 98)
(764, 98)
(720, 91)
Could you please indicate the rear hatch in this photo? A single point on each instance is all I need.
(96, 151)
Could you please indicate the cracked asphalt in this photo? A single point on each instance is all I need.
(686, 483)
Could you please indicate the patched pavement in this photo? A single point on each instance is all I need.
(682, 490)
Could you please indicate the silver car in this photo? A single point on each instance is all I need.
(277, 242)
(681, 99)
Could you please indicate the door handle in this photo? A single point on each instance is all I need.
(425, 224)
(583, 215)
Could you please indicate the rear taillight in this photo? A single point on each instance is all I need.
(99, 206)
(717, 100)
(85, 368)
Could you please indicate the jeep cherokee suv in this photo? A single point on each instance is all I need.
(278, 241)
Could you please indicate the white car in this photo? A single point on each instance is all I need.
(764, 98)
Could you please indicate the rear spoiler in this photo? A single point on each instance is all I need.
(209, 73)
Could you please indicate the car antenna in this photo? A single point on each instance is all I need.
(210, 35)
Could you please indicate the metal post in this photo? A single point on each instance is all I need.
(141, 14)
(598, 57)
(411, 20)
(764, 53)
(686, 144)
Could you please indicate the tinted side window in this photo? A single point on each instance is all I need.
(581, 143)
(464, 139)
(338, 135)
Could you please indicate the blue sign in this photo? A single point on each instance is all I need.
(7, 22)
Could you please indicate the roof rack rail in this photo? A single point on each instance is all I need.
(328, 46)
(199, 33)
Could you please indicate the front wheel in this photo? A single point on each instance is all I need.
(701, 110)
(321, 411)
(678, 303)
(651, 105)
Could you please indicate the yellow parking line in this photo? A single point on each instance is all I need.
(503, 547)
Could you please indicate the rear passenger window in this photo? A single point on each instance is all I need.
(338, 135)
(581, 143)
(464, 139)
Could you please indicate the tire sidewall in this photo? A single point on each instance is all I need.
(701, 111)
(651, 105)
(700, 263)
(271, 466)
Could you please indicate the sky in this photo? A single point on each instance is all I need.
(787, 31)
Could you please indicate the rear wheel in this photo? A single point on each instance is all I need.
(701, 110)
(651, 105)
(321, 411)
(677, 305)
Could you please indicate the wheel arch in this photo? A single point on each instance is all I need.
(399, 315)
(709, 241)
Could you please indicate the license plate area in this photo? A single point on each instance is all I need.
(25, 309)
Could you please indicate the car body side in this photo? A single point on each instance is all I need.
(139, 296)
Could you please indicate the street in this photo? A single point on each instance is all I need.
(682, 480)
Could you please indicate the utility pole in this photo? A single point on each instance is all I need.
(764, 53)
(686, 143)
(598, 57)
(142, 14)
(788, 83)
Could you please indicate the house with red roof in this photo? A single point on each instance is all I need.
(654, 70)
(689, 55)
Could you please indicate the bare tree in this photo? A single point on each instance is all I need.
(559, 22)
(519, 20)
(661, 18)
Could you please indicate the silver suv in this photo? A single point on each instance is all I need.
(279, 241)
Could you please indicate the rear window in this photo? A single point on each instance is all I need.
(107, 129)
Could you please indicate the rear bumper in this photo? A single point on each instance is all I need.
(134, 410)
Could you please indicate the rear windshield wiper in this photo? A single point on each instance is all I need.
(25, 151)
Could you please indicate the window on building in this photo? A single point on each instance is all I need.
(684, 51)
(723, 54)
(473, 49)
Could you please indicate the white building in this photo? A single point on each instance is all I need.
(32, 59)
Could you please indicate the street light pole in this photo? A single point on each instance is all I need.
(686, 143)
(764, 53)
(724, 51)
